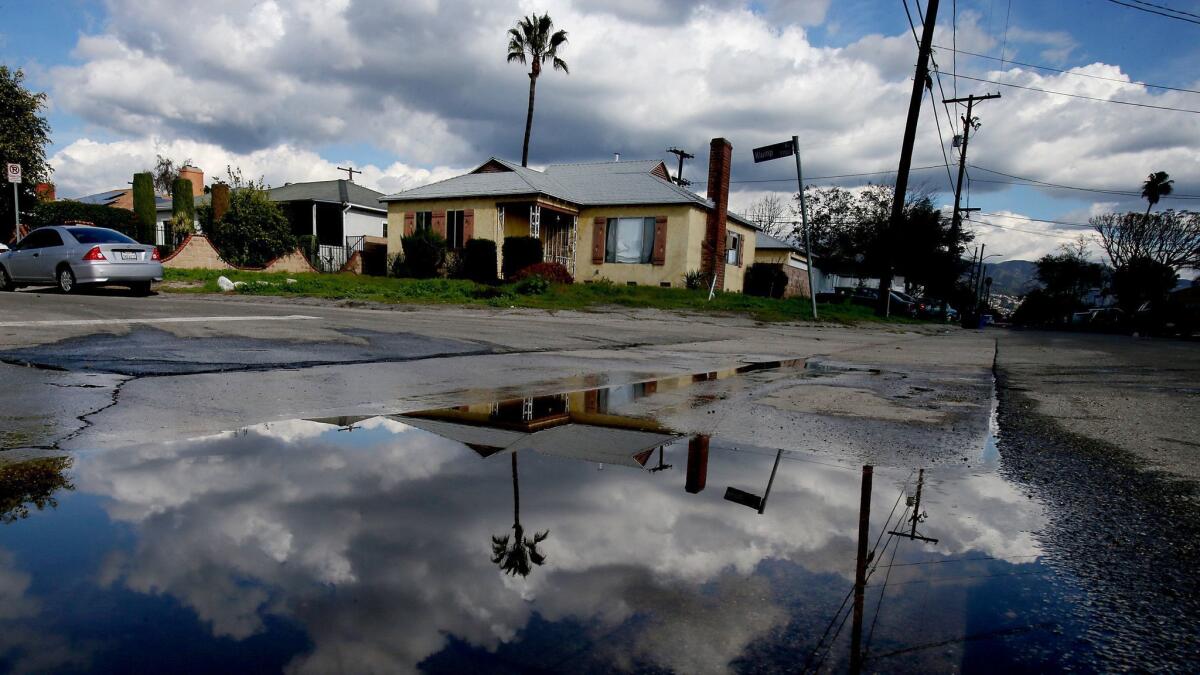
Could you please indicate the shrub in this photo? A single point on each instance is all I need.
(58, 213)
(182, 201)
(479, 261)
(144, 206)
(253, 232)
(424, 254)
(765, 280)
(693, 280)
(219, 198)
(519, 253)
(552, 272)
(532, 285)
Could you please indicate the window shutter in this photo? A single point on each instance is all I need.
(660, 241)
(468, 225)
(410, 223)
(598, 238)
(439, 223)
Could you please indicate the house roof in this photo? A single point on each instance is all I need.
(103, 198)
(628, 182)
(339, 191)
(765, 241)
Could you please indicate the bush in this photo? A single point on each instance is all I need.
(479, 261)
(58, 213)
(693, 280)
(310, 248)
(765, 280)
(424, 254)
(253, 232)
(519, 253)
(145, 206)
(532, 285)
(552, 272)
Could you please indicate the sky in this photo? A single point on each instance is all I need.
(419, 90)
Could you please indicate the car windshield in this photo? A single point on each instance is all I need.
(98, 235)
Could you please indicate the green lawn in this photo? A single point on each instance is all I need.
(460, 292)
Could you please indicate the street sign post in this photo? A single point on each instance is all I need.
(13, 171)
(779, 151)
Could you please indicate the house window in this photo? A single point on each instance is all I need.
(454, 230)
(733, 249)
(385, 229)
(630, 240)
(424, 220)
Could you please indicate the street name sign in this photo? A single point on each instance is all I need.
(770, 152)
(13, 171)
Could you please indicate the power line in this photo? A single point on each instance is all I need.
(1036, 220)
(1129, 193)
(1177, 11)
(1068, 72)
(1155, 11)
(1086, 98)
(1004, 45)
(1017, 229)
(808, 178)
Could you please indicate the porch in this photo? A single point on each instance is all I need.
(555, 225)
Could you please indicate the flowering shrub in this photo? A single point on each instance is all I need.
(552, 272)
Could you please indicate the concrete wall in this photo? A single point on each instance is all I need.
(197, 253)
(358, 223)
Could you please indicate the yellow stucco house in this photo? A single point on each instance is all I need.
(624, 221)
(789, 257)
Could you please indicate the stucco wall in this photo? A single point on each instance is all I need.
(358, 223)
(485, 218)
(680, 229)
(735, 275)
(196, 253)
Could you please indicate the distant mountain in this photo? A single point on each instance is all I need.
(1012, 277)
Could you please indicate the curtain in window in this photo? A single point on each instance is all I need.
(630, 240)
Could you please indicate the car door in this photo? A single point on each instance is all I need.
(22, 258)
(53, 251)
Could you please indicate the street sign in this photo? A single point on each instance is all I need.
(13, 171)
(770, 152)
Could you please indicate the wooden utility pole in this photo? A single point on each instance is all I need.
(682, 154)
(910, 135)
(916, 516)
(860, 567)
(968, 124)
(349, 172)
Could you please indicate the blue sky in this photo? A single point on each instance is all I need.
(417, 122)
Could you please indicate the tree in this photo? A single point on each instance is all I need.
(518, 555)
(1169, 237)
(1066, 277)
(773, 216)
(533, 41)
(183, 200)
(66, 211)
(165, 172)
(254, 230)
(145, 206)
(1156, 186)
(24, 135)
(1143, 280)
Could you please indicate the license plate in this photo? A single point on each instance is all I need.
(125, 255)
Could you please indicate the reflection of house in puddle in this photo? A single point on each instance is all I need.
(576, 425)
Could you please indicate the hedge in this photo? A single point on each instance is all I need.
(519, 253)
(59, 213)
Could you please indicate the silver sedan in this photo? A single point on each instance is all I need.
(71, 256)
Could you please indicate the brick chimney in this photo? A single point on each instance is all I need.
(196, 176)
(720, 155)
(45, 192)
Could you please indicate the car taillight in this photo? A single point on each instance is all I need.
(154, 254)
(94, 254)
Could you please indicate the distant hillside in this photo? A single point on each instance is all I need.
(1012, 277)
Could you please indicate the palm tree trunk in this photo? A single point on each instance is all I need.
(516, 498)
(528, 129)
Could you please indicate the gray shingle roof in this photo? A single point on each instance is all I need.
(339, 191)
(103, 198)
(765, 241)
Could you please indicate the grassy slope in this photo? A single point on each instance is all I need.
(459, 292)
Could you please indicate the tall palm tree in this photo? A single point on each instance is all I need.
(518, 558)
(533, 40)
(1157, 185)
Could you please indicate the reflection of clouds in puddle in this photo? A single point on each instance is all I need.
(23, 647)
(377, 540)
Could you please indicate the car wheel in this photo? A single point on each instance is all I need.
(6, 282)
(140, 288)
(66, 280)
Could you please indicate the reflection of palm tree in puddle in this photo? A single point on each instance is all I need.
(31, 482)
(517, 555)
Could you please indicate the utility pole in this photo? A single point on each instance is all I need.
(860, 567)
(916, 516)
(349, 172)
(968, 124)
(812, 290)
(682, 154)
(978, 280)
(910, 135)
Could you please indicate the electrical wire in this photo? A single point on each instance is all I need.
(1155, 11)
(1004, 45)
(1081, 96)
(1017, 229)
(840, 175)
(1177, 11)
(1130, 193)
(1068, 72)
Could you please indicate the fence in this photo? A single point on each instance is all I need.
(333, 258)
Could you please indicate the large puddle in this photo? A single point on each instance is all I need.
(548, 534)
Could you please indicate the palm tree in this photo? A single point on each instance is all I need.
(1157, 185)
(532, 40)
(518, 558)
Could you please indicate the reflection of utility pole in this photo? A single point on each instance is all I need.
(917, 516)
(697, 464)
(682, 154)
(661, 466)
(752, 500)
(860, 568)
